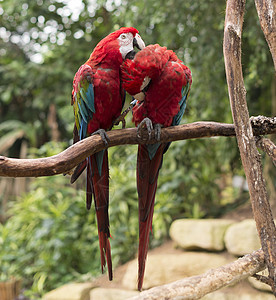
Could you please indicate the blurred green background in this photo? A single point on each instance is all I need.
(46, 235)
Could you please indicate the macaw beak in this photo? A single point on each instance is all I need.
(131, 54)
(138, 43)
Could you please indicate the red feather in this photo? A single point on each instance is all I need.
(97, 110)
(106, 51)
(147, 175)
(168, 75)
(98, 184)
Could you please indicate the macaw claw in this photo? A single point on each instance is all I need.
(145, 125)
(103, 136)
(122, 116)
(157, 131)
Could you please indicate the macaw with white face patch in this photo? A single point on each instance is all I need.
(97, 99)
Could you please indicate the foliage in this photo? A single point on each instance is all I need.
(50, 238)
(12, 130)
(195, 31)
(52, 33)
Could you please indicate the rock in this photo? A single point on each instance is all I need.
(259, 285)
(71, 291)
(237, 296)
(111, 294)
(165, 268)
(205, 234)
(242, 238)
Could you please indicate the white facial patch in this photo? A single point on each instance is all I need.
(126, 43)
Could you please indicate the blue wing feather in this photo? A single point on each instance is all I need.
(90, 97)
(84, 106)
(99, 160)
(83, 114)
(83, 129)
(182, 103)
(152, 149)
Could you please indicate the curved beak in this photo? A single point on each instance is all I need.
(138, 42)
(131, 54)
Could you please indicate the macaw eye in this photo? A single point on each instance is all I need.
(123, 36)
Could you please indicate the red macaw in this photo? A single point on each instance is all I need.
(97, 99)
(161, 84)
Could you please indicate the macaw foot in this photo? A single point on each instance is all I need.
(144, 126)
(103, 135)
(157, 131)
(122, 116)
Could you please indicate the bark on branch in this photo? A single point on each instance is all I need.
(267, 11)
(68, 159)
(196, 287)
(246, 142)
(268, 146)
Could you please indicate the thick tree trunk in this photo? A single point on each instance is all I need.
(249, 154)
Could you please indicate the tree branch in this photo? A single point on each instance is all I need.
(266, 11)
(196, 287)
(249, 154)
(69, 158)
(268, 146)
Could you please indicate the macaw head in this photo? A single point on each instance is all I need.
(148, 64)
(117, 46)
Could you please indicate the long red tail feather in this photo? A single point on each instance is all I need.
(147, 176)
(98, 184)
